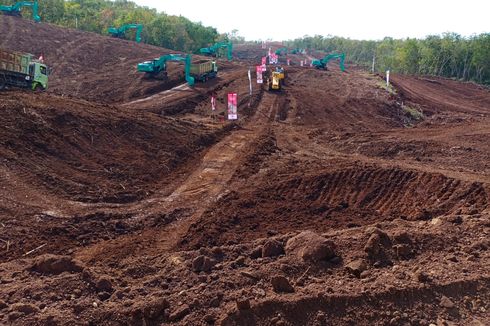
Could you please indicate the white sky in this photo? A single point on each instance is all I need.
(356, 19)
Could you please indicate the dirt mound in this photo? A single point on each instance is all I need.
(322, 201)
(439, 94)
(93, 153)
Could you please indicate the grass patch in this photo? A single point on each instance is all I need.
(382, 84)
(413, 113)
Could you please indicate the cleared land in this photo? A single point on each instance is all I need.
(122, 201)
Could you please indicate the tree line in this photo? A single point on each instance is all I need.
(448, 55)
(160, 29)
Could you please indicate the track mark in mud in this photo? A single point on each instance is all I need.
(326, 200)
(162, 95)
(202, 188)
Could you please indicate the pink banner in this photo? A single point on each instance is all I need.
(213, 102)
(232, 106)
(264, 60)
(289, 62)
(258, 69)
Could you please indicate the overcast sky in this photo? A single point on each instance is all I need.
(357, 19)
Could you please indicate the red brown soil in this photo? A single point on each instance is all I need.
(149, 210)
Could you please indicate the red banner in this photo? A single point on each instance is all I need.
(258, 69)
(264, 60)
(232, 106)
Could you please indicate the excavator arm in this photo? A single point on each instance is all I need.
(15, 10)
(157, 68)
(214, 50)
(322, 63)
(121, 31)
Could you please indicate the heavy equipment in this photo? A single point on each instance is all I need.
(217, 50)
(121, 31)
(157, 68)
(322, 63)
(21, 70)
(15, 9)
(281, 51)
(276, 79)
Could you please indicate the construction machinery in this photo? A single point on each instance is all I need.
(281, 51)
(121, 31)
(21, 70)
(322, 63)
(157, 68)
(216, 50)
(15, 9)
(276, 79)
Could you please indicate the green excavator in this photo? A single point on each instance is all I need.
(216, 50)
(15, 10)
(282, 51)
(121, 31)
(157, 68)
(322, 63)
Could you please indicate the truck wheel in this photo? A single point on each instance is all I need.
(38, 88)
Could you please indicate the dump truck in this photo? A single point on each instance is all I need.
(203, 71)
(157, 68)
(21, 70)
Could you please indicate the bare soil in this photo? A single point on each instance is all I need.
(336, 201)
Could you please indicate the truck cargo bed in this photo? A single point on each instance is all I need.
(15, 61)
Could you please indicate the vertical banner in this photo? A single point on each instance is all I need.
(259, 75)
(213, 102)
(301, 63)
(270, 52)
(232, 106)
(289, 62)
(250, 81)
(387, 78)
(264, 60)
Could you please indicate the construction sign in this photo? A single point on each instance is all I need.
(213, 102)
(274, 58)
(232, 106)
(259, 74)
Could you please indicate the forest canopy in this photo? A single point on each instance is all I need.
(447, 55)
(173, 32)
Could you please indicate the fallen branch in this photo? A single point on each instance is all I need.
(35, 249)
(299, 278)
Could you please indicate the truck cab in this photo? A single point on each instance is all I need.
(38, 73)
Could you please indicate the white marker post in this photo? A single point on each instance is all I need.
(387, 78)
